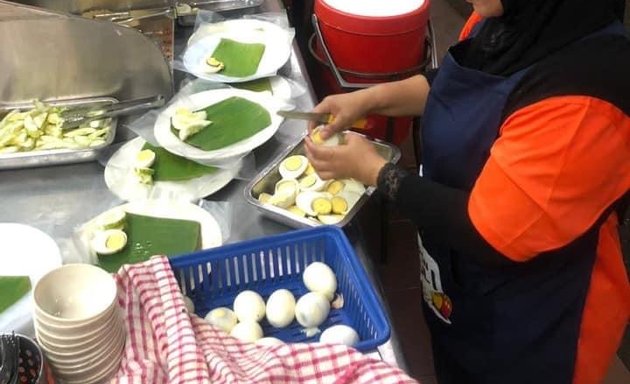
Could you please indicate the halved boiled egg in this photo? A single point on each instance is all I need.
(264, 197)
(335, 187)
(312, 182)
(344, 201)
(331, 141)
(188, 122)
(284, 196)
(314, 203)
(213, 65)
(351, 185)
(330, 219)
(296, 211)
(108, 242)
(145, 159)
(293, 166)
(112, 219)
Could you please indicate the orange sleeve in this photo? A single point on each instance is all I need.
(470, 24)
(556, 166)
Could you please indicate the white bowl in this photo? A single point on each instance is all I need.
(75, 331)
(102, 367)
(85, 359)
(74, 294)
(81, 341)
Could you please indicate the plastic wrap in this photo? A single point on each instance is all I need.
(270, 29)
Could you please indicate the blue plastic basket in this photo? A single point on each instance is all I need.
(212, 278)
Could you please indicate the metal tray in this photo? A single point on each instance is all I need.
(188, 20)
(267, 179)
(57, 156)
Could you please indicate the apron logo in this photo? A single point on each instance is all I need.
(432, 292)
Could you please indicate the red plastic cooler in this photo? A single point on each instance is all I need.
(360, 43)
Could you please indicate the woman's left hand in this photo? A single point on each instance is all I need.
(356, 158)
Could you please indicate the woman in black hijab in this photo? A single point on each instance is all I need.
(526, 133)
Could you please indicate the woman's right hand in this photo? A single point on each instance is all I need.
(346, 109)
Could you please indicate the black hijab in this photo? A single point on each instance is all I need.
(529, 30)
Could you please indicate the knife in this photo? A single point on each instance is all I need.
(323, 118)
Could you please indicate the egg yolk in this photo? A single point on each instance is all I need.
(317, 137)
(116, 241)
(308, 181)
(321, 206)
(339, 205)
(145, 155)
(293, 163)
(309, 169)
(296, 211)
(335, 187)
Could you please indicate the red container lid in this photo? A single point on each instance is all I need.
(374, 17)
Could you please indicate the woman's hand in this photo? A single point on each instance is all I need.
(356, 158)
(346, 109)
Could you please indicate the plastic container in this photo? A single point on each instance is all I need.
(270, 263)
(361, 43)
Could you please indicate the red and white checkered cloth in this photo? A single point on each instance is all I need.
(166, 345)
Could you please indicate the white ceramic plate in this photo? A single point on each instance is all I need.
(277, 48)
(210, 230)
(121, 180)
(223, 156)
(26, 251)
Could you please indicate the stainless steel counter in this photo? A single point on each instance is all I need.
(58, 199)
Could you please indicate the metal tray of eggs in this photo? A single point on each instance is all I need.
(290, 192)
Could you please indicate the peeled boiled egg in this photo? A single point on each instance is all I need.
(264, 197)
(312, 182)
(112, 219)
(314, 203)
(344, 201)
(249, 306)
(285, 193)
(280, 308)
(145, 159)
(109, 241)
(293, 166)
(248, 331)
(269, 341)
(339, 334)
(223, 318)
(330, 219)
(335, 187)
(351, 185)
(213, 65)
(296, 211)
(312, 309)
(319, 277)
(316, 137)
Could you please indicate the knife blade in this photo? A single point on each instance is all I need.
(322, 118)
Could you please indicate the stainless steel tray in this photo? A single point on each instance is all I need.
(267, 179)
(188, 20)
(57, 156)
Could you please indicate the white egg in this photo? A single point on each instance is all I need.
(109, 241)
(319, 277)
(313, 182)
(304, 201)
(280, 308)
(249, 305)
(248, 331)
(223, 318)
(190, 306)
(340, 334)
(293, 166)
(331, 141)
(330, 219)
(269, 341)
(312, 309)
(351, 185)
(145, 159)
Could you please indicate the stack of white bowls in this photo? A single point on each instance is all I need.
(78, 323)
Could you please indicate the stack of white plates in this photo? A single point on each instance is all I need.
(78, 323)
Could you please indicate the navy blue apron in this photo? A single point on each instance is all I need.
(516, 324)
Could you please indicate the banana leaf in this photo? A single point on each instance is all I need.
(240, 59)
(148, 236)
(233, 119)
(258, 85)
(12, 288)
(170, 167)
